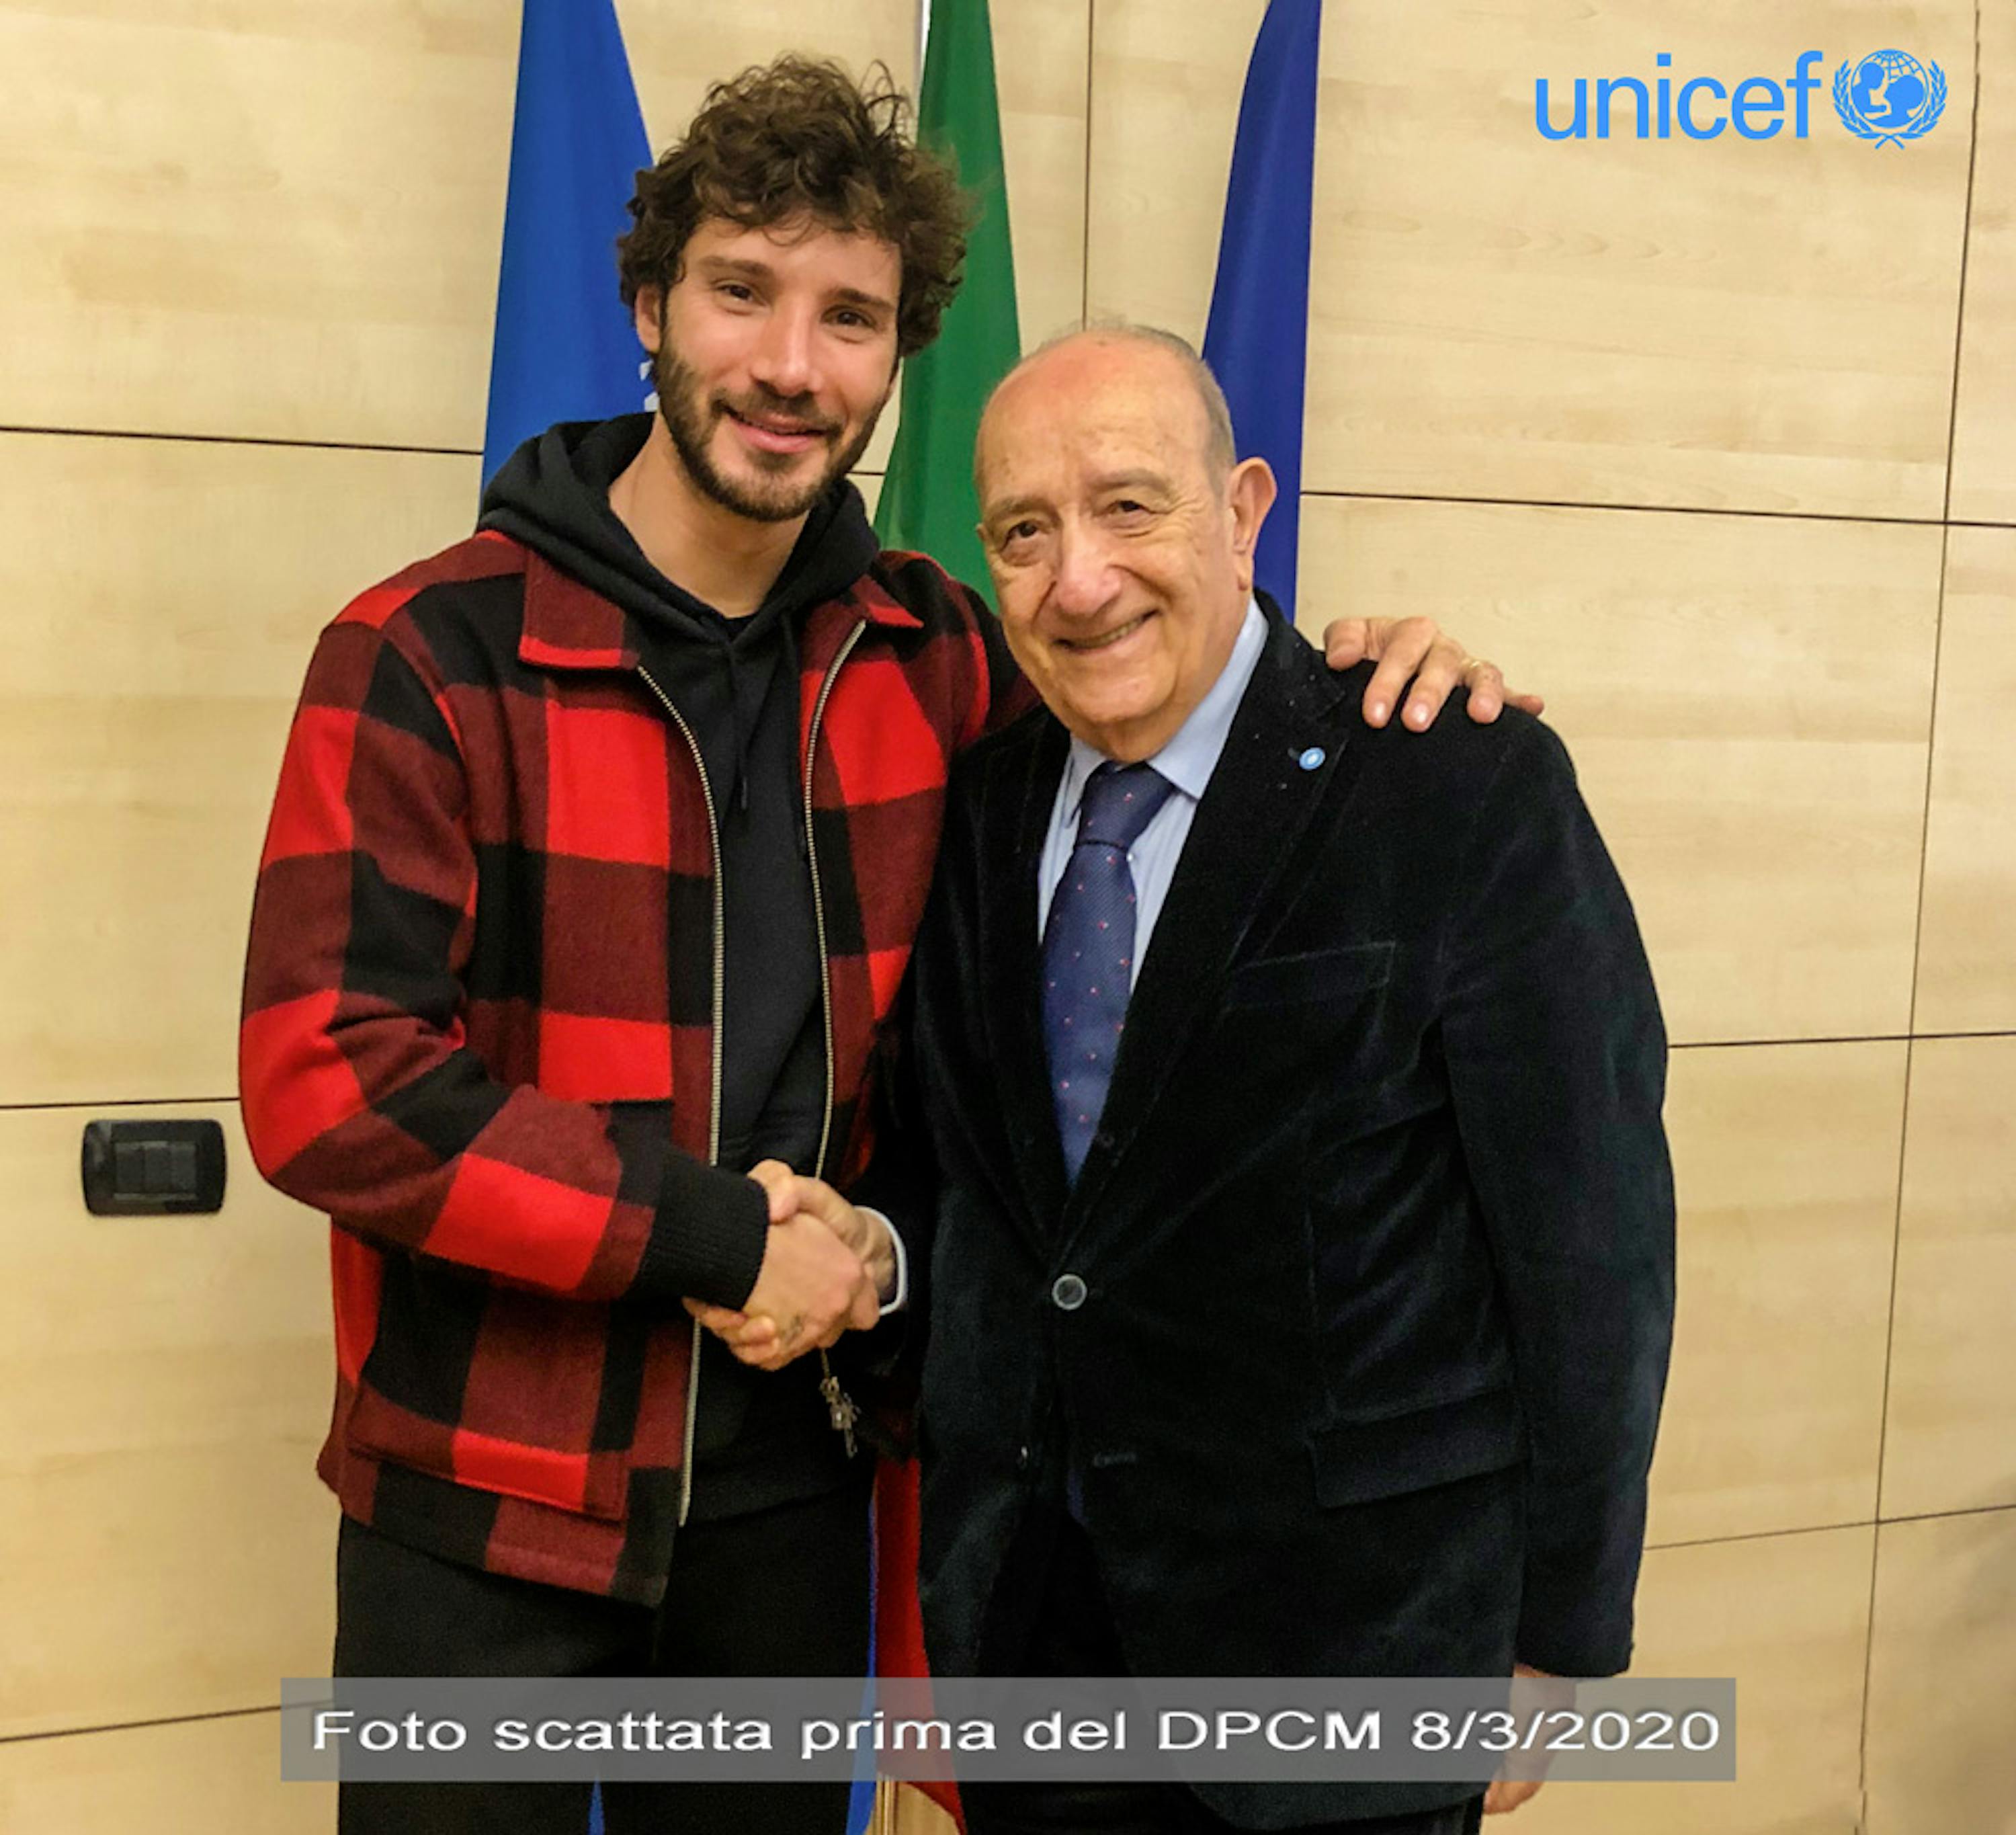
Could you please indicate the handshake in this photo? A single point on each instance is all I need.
(827, 1266)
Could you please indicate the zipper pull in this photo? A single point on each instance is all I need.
(840, 1408)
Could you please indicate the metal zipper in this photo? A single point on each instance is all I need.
(713, 1117)
(818, 894)
(840, 1404)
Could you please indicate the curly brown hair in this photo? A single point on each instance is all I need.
(799, 137)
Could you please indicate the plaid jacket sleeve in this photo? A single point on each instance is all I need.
(1008, 694)
(361, 1096)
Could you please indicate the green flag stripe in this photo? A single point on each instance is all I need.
(927, 502)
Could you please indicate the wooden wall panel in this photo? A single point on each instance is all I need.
(1665, 322)
(165, 1547)
(1042, 60)
(1788, 1617)
(1497, 315)
(1983, 461)
(1951, 1439)
(1942, 1677)
(1747, 701)
(277, 221)
(212, 1777)
(1165, 88)
(1786, 1162)
(677, 51)
(284, 223)
(1967, 964)
(163, 598)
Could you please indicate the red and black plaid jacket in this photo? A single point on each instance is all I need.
(480, 1024)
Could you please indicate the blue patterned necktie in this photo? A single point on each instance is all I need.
(1089, 950)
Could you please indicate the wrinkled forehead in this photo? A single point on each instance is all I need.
(1057, 427)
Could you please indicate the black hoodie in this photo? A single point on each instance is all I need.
(735, 682)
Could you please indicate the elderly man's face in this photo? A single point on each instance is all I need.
(1122, 566)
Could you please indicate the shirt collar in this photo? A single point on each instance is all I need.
(1191, 754)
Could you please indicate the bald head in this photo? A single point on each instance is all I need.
(1118, 531)
(1217, 448)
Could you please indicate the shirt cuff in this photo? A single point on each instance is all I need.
(900, 1298)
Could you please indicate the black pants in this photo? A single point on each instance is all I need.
(783, 1592)
(1054, 1621)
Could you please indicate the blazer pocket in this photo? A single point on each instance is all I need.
(1357, 1461)
(1316, 975)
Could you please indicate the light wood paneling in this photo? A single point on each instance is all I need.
(1967, 958)
(1984, 462)
(163, 597)
(1495, 315)
(1165, 87)
(1748, 700)
(216, 1777)
(1951, 1440)
(283, 223)
(1785, 1160)
(1941, 1678)
(278, 221)
(1041, 62)
(1788, 1617)
(165, 1548)
(677, 51)
(1042, 58)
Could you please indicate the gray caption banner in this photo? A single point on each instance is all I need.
(1110, 1730)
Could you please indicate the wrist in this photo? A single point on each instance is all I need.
(883, 1257)
(879, 1257)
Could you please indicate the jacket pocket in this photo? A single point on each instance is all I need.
(499, 1389)
(1316, 975)
(583, 1484)
(1357, 1461)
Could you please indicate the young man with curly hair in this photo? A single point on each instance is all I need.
(599, 844)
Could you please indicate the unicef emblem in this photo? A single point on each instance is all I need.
(1889, 96)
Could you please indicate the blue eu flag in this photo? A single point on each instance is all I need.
(565, 349)
(1257, 340)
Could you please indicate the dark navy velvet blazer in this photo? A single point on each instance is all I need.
(1376, 1236)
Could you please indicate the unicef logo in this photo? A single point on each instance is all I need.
(1889, 97)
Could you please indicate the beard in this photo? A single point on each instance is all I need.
(690, 418)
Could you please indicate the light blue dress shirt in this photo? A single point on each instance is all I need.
(1187, 761)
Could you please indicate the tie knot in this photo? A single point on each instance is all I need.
(1120, 801)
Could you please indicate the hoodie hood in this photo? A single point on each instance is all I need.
(552, 495)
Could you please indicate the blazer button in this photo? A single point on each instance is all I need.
(1067, 1293)
(1021, 1458)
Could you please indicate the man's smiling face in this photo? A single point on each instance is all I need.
(773, 353)
(1122, 555)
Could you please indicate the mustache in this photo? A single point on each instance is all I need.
(798, 408)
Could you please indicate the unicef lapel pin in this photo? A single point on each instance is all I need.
(1311, 760)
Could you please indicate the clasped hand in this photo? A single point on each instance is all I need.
(826, 1265)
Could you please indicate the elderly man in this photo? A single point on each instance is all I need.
(1302, 1285)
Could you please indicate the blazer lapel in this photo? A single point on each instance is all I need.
(1020, 793)
(1278, 758)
